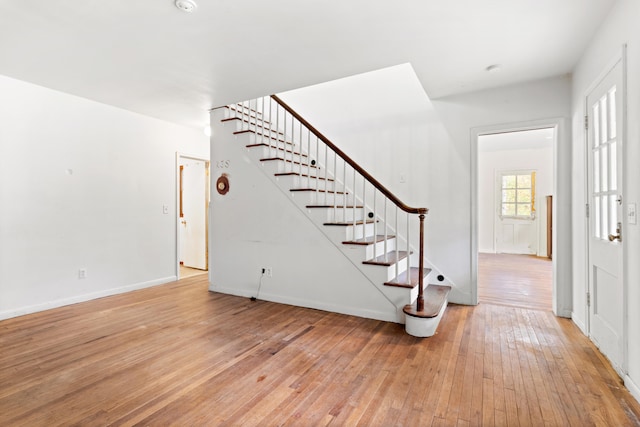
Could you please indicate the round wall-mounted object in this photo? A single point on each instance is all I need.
(222, 184)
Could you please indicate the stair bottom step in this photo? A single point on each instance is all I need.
(435, 297)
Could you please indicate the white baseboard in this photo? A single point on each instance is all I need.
(325, 306)
(7, 314)
(579, 323)
(633, 387)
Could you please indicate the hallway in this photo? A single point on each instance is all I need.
(515, 280)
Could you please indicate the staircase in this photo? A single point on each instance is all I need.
(363, 219)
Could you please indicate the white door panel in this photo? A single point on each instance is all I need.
(604, 188)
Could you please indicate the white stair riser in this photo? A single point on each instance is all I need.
(340, 234)
(321, 198)
(297, 181)
(419, 327)
(366, 252)
(383, 274)
(267, 153)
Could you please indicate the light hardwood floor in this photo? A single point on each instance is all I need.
(515, 280)
(179, 355)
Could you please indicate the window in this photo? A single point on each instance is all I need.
(518, 194)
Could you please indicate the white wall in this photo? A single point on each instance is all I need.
(387, 124)
(620, 27)
(429, 143)
(492, 162)
(540, 101)
(82, 185)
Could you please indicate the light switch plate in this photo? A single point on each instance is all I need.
(632, 214)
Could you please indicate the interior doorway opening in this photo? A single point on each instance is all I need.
(192, 210)
(515, 186)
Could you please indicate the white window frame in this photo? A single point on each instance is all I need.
(503, 173)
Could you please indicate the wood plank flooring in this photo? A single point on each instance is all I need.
(179, 355)
(515, 280)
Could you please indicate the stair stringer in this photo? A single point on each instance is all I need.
(255, 225)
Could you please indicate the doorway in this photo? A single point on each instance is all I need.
(559, 207)
(515, 177)
(193, 215)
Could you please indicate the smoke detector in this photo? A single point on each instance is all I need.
(186, 5)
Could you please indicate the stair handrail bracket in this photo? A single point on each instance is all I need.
(305, 132)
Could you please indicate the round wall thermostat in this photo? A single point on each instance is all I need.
(222, 184)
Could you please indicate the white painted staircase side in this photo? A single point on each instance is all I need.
(233, 145)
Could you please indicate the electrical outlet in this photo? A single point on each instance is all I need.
(82, 273)
(267, 271)
(165, 209)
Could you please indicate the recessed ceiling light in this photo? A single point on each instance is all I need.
(493, 68)
(186, 5)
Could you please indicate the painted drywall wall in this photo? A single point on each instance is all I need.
(426, 144)
(83, 186)
(386, 123)
(619, 28)
(463, 116)
(489, 164)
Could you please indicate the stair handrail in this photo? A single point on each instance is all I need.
(421, 212)
(350, 161)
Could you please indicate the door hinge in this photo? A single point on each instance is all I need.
(588, 299)
(587, 209)
(586, 122)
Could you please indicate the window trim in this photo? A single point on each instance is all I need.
(499, 176)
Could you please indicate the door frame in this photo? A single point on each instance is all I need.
(561, 235)
(619, 57)
(179, 156)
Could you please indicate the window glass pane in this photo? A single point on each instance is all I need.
(605, 218)
(524, 196)
(612, 113)
(604, 176)
(596, 220)
(603, 119)
(509, 196)
(524, 181)
(524, 209)
(613, 158)
(596, 170)
(509, 209)
(509, 181)
(596, 125)
(613, 214)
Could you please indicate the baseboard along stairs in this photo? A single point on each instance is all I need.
(369, 224)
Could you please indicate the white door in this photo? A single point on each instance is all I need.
(193, 221)
(605, 298)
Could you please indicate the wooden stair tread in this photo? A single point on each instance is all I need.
(254, 123)
(317, 191)
(331, 207)
(401, 280)
(270, 159)
(369, 240)
(346, 224)
(387, 260)
(435, 297)
(266, 135)
(262, 144)
(303, 175)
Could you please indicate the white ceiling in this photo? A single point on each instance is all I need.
(149, 57)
